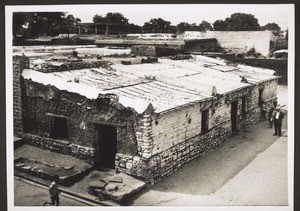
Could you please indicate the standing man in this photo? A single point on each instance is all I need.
(278, 116)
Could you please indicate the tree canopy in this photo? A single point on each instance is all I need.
(157, 25)
(111, 17)
(34, 24)
(204, 26)
(237, 22)
(271, 27)
(183, 26)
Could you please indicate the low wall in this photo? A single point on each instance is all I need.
(156, 51)
(279, 65)
(48, 67)
(64, 147)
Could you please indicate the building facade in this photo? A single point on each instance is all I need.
(146, 120)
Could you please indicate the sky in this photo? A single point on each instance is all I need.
(139, 14)
(176, 13)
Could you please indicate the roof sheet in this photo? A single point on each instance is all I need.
(166, 84)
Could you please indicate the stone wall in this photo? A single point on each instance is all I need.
(202, 45)
(48, 67)
(19, 63)
(174, 138)
(62, 146)
(43, 102)
(172, 128)
(156, 51)
(242, 41)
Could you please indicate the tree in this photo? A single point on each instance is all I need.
(20, 23)
(115, 17)
(194, 27)
(157, 25)
(271, 27)
(183, 26)
(99, 19)
(34, 24)
(238, 22)
(220, 25)
(204, 26)
(68, 23)
(111, 17)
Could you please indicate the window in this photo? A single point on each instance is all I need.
(59, 128)
(204, 121)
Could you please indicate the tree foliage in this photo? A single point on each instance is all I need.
(204, 26)
(237, 22)
(34, 24)
(69, 22)
(220, 25)
(271, 27)
(183, 26)
(157, 25)
(111, 17)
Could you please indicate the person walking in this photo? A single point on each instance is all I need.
(277, 117)
(53, 190)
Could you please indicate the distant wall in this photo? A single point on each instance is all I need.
(242, 41)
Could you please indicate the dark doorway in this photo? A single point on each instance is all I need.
(204, 121)
(234, 106)
(59, 128)
(260, 99)
(106, 136)
(243, 107)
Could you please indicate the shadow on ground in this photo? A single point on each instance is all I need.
(216, 168)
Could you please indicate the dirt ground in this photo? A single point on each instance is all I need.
(31, 195)
(248, 169)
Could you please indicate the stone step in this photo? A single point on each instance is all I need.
(18, 142)
(119, 187)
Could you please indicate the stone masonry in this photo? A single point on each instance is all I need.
(19, 63)
(160, 158)
(150, 145)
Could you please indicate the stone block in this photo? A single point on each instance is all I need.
(129, 165)
(98, 184)
(116, 178)
(136, 158)
(111, 187)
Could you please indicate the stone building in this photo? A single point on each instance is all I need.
(143, 119)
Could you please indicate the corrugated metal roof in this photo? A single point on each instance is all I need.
(166, 84)
(161, 95)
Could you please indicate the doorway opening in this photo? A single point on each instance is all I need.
(106, 145)
(204, 121)
(260, 94)
(234, 109)
(244, 107)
